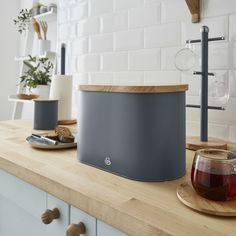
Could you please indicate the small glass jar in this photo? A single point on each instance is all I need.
(213, 174)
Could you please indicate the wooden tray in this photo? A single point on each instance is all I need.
(188, 196)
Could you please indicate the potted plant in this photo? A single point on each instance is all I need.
(37, 77)
(23, 20)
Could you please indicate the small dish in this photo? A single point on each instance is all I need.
(36, 143)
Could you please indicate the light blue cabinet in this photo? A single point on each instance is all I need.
(58, 226)
(22, 205)
(104, 229)
(77, 216)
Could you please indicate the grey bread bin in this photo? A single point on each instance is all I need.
(136, 132)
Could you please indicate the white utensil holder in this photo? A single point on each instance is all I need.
(44, 46)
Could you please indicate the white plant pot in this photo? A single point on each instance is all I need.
(42, 91)
(44, 46)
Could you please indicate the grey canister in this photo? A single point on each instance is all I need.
(133, 131)
(45, 114)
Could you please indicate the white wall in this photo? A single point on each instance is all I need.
(135, 41)
(9, 45)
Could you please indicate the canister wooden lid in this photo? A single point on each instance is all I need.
(135, 89)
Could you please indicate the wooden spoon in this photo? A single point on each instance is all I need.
(36, 27)
(44, 27)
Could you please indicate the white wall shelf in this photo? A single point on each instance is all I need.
(13, 98)
(47, 16)
(46, 54)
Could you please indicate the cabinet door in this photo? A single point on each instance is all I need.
(77, 216)
(21, 206)
(104, 229)
(58, 226)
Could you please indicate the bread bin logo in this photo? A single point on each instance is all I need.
(107, 161)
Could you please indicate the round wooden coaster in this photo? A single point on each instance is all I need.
(67, 122)
(188, 196)
(194, 143)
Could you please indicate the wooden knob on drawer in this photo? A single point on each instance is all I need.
(49, 215)
(75, 229)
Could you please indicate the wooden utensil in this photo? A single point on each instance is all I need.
(44, 27)
(36, 27)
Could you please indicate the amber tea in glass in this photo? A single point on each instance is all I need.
(213, 174)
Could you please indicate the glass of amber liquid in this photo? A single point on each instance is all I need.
(213, 174)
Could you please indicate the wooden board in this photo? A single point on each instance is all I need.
(67, 122)
(188, 196)
(194, 143)
(135, 89)
(136, 208)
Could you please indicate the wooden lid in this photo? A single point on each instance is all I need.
(135, 89)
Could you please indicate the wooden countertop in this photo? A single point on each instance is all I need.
(137, 208)
(135, 89)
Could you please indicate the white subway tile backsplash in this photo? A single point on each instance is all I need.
(168, 58)
(215, 116)
(144, 16)
(63, 16)
(194, 82)
(128, 78)
(101, 43)
(192, 128)
(161, 77)
(115, 61)
(232, 27)
(91, 63)
(218, 26)
(114, 22)
(221, 56)
(99, 7)
(219, 131)
(80, 78)
(79, 46)
(63, 32)
(73, 65)
(78, 12)
(127, 4)
(132, 42)
(170, 12)
(162, 35)
(89, 27)
(217, 7)
(129, 40)
(232, 83)
(146, 59)
(152, 1)
(214, 130)
(101, 78)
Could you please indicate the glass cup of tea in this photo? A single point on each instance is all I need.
(213, 174)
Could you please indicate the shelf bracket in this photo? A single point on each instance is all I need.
(194, 8)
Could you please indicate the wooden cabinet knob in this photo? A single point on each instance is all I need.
(49, 215)
(75, 229)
